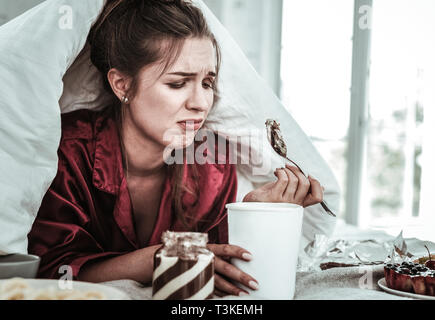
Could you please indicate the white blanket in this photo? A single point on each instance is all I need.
(359, 283)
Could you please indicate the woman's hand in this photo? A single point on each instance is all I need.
(226, 272)
(291, 187)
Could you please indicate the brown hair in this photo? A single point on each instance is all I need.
(131, 34)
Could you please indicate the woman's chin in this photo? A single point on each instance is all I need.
(175, 152)
(176, 138)
(180, 142)
(187, 142)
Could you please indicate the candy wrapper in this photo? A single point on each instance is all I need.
(324, 253)
(399, 252)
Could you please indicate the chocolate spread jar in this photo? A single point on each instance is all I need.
(183, 268)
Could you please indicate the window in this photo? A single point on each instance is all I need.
(316, 69)
(402, 55)
(397, 161)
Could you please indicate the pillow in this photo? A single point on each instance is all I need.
(30, 118)
(35, 52)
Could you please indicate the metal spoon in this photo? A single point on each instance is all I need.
(277, 141)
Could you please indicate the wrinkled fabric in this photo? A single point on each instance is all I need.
(87, 214)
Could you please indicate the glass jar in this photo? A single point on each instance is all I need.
(183, 268)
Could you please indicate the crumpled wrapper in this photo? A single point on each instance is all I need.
(324, 253)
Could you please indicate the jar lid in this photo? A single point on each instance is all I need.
(184, 244)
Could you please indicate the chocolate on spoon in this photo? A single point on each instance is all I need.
(277, 141)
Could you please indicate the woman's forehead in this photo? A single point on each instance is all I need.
(197, 56)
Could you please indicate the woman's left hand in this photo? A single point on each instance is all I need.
(291, 187)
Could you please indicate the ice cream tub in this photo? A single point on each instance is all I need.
(271, 232)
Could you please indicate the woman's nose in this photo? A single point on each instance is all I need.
(198, 100)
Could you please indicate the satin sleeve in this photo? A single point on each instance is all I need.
(218, 233)
(60, 235)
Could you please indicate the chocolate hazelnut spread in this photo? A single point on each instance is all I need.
(183, 268)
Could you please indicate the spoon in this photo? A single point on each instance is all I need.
(277, 141)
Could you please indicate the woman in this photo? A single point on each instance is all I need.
(115, 193)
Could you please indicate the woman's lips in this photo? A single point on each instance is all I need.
(190, 126)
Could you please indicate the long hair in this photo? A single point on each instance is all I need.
(131, 34)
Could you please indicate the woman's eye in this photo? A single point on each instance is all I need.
(182, 84)
(208, 85)
(177, 85)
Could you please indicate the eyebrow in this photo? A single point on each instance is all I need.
(185, 74)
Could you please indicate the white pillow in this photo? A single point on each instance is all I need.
(30, 117)
(35, 52)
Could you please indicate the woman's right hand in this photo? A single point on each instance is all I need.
(291, 187)
(226, 272)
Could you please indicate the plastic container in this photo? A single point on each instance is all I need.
(271, 232)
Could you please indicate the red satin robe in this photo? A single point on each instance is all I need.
(87, 215)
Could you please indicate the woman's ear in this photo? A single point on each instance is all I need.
(119, 82)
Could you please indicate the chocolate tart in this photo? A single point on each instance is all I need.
(410, 277)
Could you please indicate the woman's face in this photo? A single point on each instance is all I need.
(162, 106)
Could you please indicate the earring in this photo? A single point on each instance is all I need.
(125, 100)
